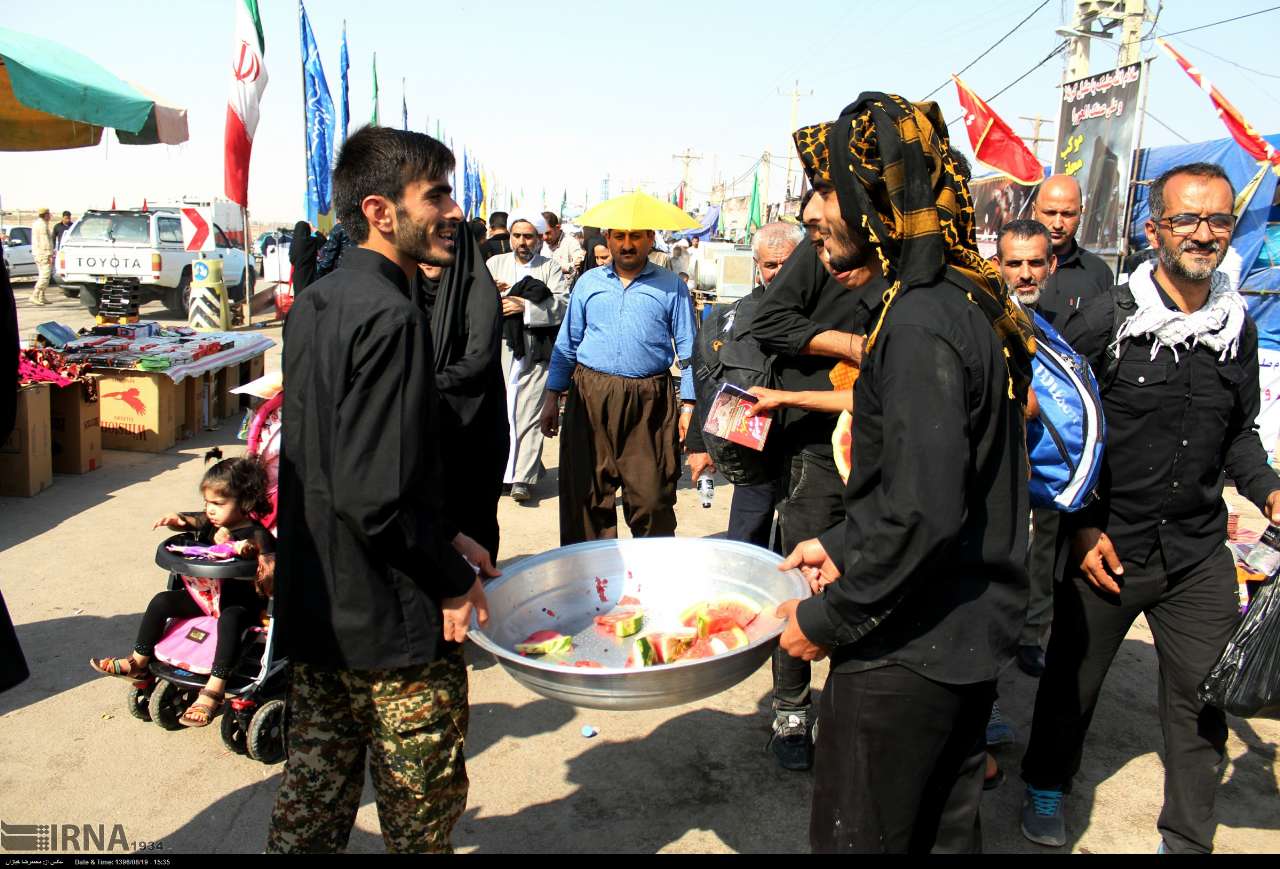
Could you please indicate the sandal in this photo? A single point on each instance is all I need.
(121, 668)
(200, 714)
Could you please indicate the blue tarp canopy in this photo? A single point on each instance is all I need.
(709, 222)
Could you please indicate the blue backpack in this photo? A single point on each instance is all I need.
(1064, 443)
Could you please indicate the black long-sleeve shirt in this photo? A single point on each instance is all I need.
(1173, 428)
(1080, 278)
(365, 555)
(933, 548)
(804, 301)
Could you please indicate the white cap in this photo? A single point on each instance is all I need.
(264, 387)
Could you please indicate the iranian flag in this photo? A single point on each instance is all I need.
(248, 81)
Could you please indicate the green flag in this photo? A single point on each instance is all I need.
(755, 219)
(374, 119)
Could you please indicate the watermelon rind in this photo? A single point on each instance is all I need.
(557, 645)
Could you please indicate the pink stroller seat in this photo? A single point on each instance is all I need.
(190, 643)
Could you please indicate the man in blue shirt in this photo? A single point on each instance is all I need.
(627, 323)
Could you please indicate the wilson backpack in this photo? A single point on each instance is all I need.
(726, 352)
(1065, 442)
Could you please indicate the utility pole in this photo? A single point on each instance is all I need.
(795, 95)
(687, 157)
(764, 194)
(1035, 138)
(1128, 15)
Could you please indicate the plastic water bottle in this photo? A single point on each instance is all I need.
(1264, 558)
(707, 491)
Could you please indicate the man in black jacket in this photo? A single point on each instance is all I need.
(921, 591)
(499, 240)
(812, 322)
(1180, 396)
(1081, 276)
(374, 592)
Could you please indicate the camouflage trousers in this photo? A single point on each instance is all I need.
(412, 722)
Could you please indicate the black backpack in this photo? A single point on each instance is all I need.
(727, 352)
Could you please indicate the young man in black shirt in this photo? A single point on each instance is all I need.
(921, 591)
(1181, 398)
(374, 592)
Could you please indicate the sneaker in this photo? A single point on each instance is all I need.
(1042, 818)
(790, 740)
(1031, 660)
(520, 492)
(999, 732)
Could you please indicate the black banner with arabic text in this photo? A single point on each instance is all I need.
(1096, 130)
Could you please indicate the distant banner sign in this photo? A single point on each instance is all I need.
(1096, 130)
(998, 199)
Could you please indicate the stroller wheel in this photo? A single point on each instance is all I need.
(169, 702)
(265, 739)
(233, 735)
(138, 701)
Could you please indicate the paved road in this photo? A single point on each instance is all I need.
(76, 569)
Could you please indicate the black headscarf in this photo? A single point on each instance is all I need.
(303, 250)
(465, 327)
(590, 238)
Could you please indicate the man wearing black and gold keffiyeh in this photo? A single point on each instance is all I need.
(923, 587)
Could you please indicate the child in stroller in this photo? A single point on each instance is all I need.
(234, 491)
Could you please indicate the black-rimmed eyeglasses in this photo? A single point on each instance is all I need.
(1186, 224)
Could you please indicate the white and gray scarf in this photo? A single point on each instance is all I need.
(1217, 325)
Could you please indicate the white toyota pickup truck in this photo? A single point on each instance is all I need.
(143, 247)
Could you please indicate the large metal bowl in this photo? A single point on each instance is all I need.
(564, 590)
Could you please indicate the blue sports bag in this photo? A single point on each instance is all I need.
(1065, 441)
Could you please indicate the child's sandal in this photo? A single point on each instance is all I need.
(200, 714)
(121, 668)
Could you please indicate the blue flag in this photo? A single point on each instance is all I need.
(318, 110)
(343, 65)
(404, 108)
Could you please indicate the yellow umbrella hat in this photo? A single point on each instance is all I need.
(636, 211)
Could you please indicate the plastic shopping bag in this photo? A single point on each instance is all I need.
(1246, 679)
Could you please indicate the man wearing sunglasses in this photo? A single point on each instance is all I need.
(1177, 359)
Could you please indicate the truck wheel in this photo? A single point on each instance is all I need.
(71, 291)
(178, 299)
(89, 297)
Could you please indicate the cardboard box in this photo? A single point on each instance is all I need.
(226, 405)
(26, 459)
(194, 392)
(138, 411)
(75, 423)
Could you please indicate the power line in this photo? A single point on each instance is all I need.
(1048, 57)
(1213, 23)
(1228, 60)
(990, 49)
(1167, 127)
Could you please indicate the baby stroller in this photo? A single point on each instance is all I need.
(253, 720)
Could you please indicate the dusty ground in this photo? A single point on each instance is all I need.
(76, 569)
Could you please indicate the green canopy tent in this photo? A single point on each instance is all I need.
(53, 98)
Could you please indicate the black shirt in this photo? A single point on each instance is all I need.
(933, 548)
(804, 301)
(1080, 278)
(1173, 428)
(493, 246)
(365, 554)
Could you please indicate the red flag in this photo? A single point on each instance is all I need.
(994, 143)
(680, 204)
(144, 204)
(1241, 130)
(113, 203)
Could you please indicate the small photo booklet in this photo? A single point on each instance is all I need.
(727, 418)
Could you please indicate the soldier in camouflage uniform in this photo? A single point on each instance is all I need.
(374, 592)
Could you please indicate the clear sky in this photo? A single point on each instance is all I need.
(556, 96)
